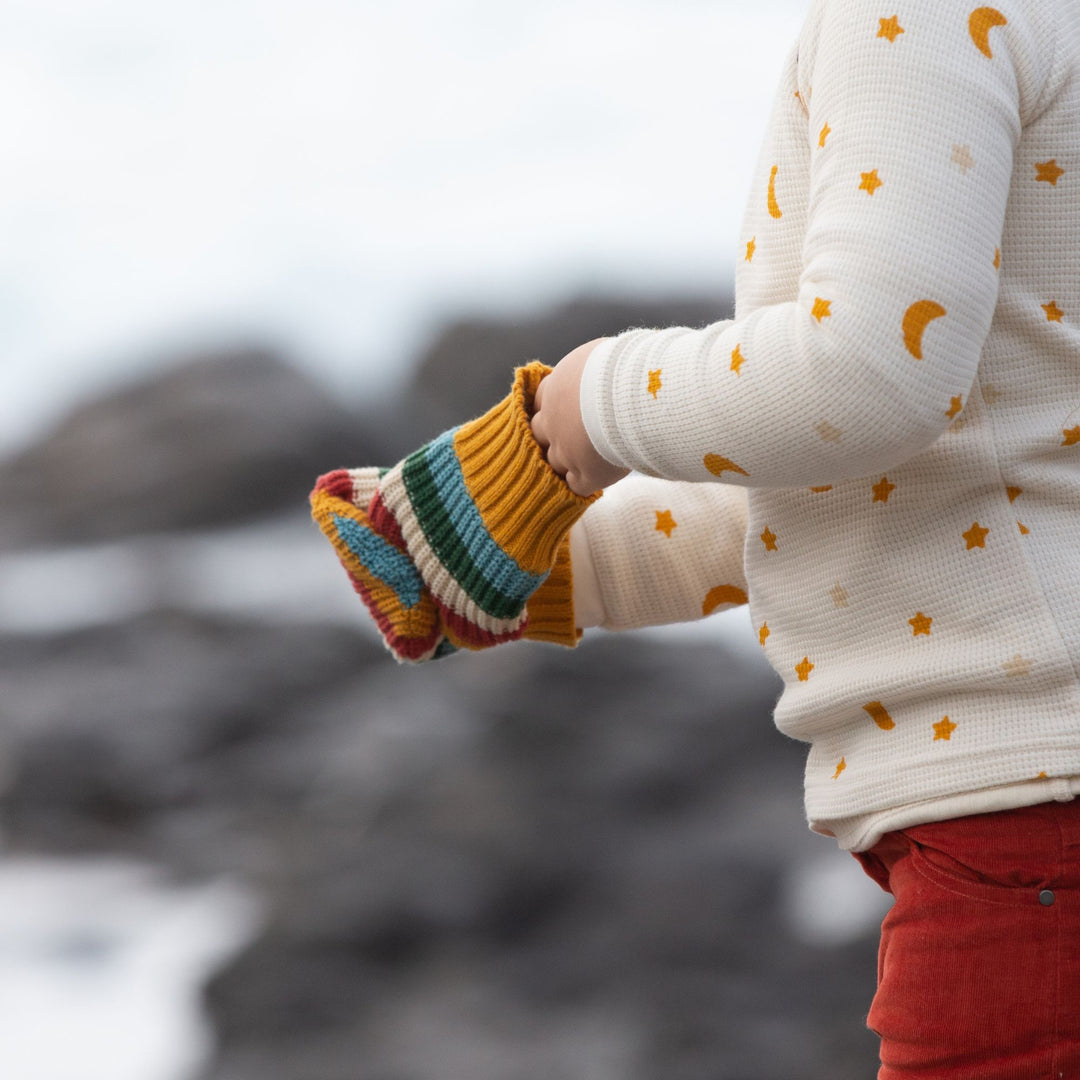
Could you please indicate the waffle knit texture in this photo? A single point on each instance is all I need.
(465, 543)
(881, 450)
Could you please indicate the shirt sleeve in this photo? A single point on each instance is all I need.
(655, 551)
(911, 124)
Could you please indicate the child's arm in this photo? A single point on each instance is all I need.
(659, 551)
(910, 142)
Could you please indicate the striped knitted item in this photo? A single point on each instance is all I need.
(464, 544)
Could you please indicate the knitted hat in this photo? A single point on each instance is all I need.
(464, 543)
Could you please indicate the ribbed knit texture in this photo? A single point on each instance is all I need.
(891, 421)
(464, 544)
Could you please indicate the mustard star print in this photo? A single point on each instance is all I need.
(1053, 312)
(961, 155)
(820, 490)
(839, 595)
(880, 715)
(1017, 666)
(956, 405)
(943, 730)
(737, 359)
(920, 624)
(1048, 171)
(870, 182)
(1072, 436)
(997, 258)
(825, 132)
(991, 394)
(828, 432)
(976, 536)
(821, 309)
(1024, 530)
(841, 765)
(665, 523)
(883, 490)
(803, 670)
(763, 633)
(768, 538)
(654, 382)
(890, 28)
(1012, 492)
(751, 247)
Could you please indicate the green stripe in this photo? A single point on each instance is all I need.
(444, 541)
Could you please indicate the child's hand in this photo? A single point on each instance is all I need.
(560, 431)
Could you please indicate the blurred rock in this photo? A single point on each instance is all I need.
(468, 367)
(213, 439)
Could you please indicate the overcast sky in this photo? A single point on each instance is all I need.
(332, 174)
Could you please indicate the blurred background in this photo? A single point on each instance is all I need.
(248, 241)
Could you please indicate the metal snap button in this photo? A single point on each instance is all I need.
(1046, 897)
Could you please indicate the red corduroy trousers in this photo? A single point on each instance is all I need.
(979, 963)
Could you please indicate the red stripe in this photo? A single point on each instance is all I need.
(471, 635)
(338, 483)
(384, 523)
(409, 648)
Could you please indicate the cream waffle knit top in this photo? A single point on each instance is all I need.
(881, 451)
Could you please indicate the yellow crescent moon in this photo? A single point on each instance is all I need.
(980, 22)
(717, 464)
(915, 319)
(880, 715)
(774, 206)
(723, 594)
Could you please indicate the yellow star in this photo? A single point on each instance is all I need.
(920, 624)
(828, 432)
(737, 359)
(961, 155)
(870, 182)
(763, 633)
(1012, 492)
(804, 669)
(1048, 171)
(751, 247)
(841, 765)
(1024, 530)
(665, 522)
(1017, 666)
(976, 536)
(821, 309)
(997, 258)
(943, 729)
(839, 595)
(890, 28)
(768, 538)
(825, 132)
(1072, 436)
(883, 490)
(1042, 776)
(654, 382)
(1053, 312)
(955, 406)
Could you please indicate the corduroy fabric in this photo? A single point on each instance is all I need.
(465, 543)
(979, 963)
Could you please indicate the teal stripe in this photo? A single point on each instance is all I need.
(379, 556)
(455, 531)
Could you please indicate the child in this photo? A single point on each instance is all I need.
(880, 453)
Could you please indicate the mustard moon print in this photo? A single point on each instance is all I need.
(737, 359)
(976, 536)
(665, 523)
(841, 765)
(820, 309)
(916, 319)
(879, 714)
(890, 28)
(1053, 312)
(717, 465)
(920, 624)
(722, 594)
(654, 382)
(943, 729)
(1048, 171)
(980, 22)
(803, 669)
(774, 206)
(870, 182)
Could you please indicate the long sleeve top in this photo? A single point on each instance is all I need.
(880, 452)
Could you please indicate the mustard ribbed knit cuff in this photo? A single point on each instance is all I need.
(551, 607)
